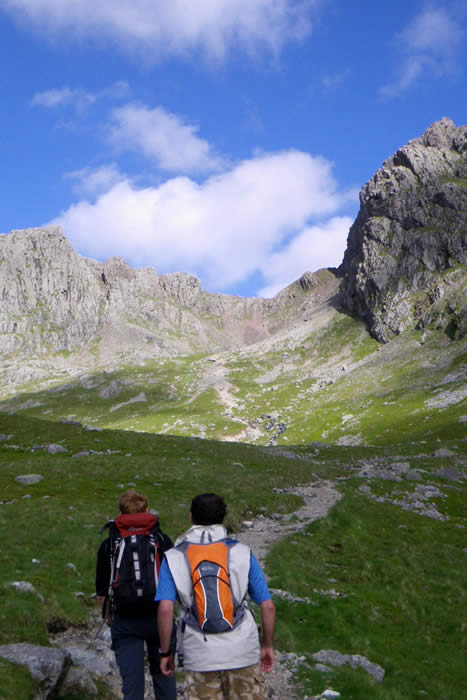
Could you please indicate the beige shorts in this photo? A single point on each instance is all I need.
(238, 684)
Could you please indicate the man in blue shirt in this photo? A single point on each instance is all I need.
(226, 664)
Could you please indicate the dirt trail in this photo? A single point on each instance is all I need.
(216, 376)
(261, 535)
(264, 532)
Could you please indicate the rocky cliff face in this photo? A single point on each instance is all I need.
(51, 298)
(54, 300)
(406, 254)
(404, 265)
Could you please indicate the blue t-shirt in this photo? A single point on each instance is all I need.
(257, 587)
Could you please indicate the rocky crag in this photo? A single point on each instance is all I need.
(406, 254)
(405, 265)
(55, 300)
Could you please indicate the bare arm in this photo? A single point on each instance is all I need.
(165, 615)
(268, 618)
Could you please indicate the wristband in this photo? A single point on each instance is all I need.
(164, 654)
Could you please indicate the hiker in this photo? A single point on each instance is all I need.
(126, 582)
(218, 642)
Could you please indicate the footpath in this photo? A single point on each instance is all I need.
(90, 646)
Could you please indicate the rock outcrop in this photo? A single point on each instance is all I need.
(66, 673)
(54, 300)
(404, 265)
(51, 298)
(406, 254)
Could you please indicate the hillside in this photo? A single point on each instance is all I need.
(114, 346)
(56, 303)
(332, 419)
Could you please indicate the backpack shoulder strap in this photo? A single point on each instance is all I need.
(108, 526)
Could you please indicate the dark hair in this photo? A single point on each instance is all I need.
(208, 509)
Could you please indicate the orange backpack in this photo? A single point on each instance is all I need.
(214, 607)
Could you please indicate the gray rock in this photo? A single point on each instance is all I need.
(400, 467)
(46, 665)
(335, 658)
(412, 226)
(444, 452)
(29, 479)
(77, 683)
(54, 300)
(449, 473)
(55, 449)
(110, 391)
(285, 595)
(413, 475)
(26, 587)
(308, 281)
(98, 665)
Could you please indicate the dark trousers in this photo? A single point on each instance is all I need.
(128, 637)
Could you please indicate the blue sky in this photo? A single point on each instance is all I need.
(225, 138)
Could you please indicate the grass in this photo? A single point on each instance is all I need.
(460, 181)
(404, 574)
(404, 577)
(16, 682)
(334, 373)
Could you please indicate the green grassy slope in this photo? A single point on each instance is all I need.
(335, 384)
(403, 574)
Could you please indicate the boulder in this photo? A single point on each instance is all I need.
(77, 683)
(29, 479)
(56, 449)
(48, 666)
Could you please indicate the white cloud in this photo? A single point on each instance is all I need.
(95, 181)
(430, 42)
(158, 27)
(312, 249)
(222, 229)
(164, 137)
(65, 95)
(77, 97)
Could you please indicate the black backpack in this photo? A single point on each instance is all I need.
(135, 559)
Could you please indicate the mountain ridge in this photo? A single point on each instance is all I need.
(404, 266)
